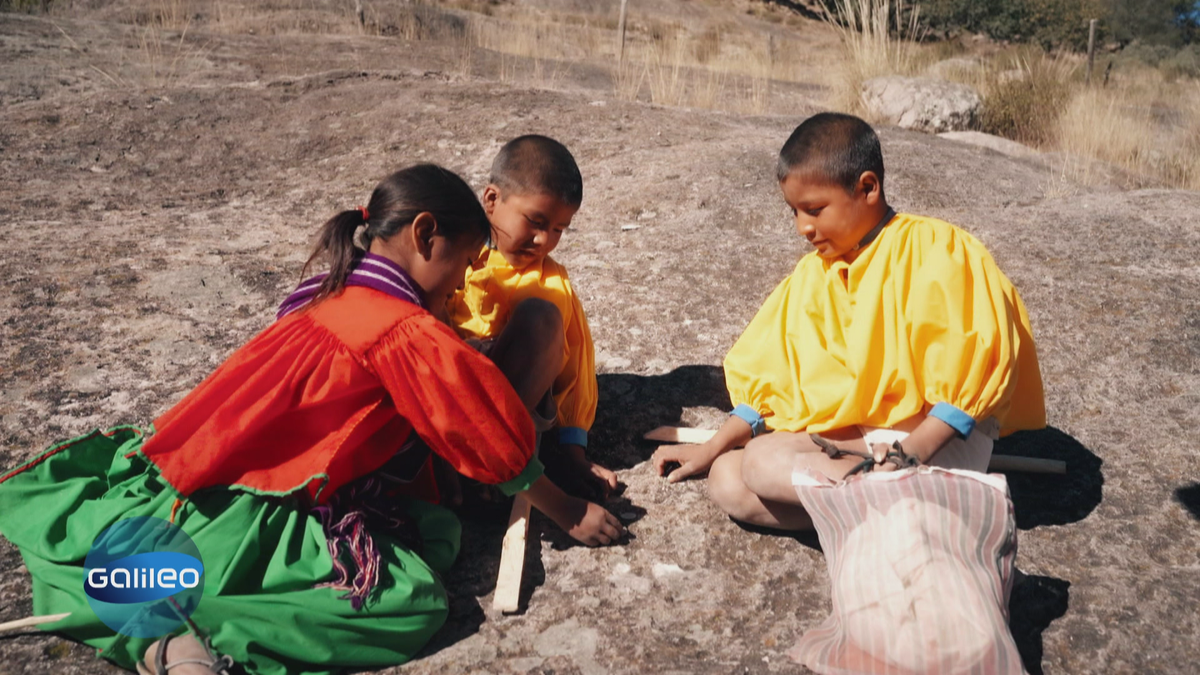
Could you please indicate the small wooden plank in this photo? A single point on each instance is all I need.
(679, 435)
(998, 462)
(512, 558)
(30, 621)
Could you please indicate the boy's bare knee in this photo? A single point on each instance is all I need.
(726, 488)
(767, 464)
(540, 320)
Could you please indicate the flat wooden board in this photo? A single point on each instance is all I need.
(998, 462)
(512, 558)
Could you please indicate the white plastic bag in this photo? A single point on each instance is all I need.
(921, 562)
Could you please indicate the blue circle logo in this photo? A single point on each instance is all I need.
(143, 577)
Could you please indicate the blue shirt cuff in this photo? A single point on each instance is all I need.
(750, 416)
(572, 436)
(963, 423)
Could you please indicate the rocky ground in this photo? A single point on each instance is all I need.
(149, 230)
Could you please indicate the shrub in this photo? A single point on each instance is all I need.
(1025, 103)
(1183, 63)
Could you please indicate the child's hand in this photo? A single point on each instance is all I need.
(693, 459)
(605, 478)
(585, 521)
(594, 526)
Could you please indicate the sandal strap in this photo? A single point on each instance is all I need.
(222, 665)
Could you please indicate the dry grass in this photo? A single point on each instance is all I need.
(1148, 127)
(870, 48)
(1025, 95)
(1143, 122)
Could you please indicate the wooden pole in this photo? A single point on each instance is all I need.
(30, 621)
(1091, 49)
(621, 34)
(998, 462)
(512, 558)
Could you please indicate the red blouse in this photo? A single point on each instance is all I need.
(330, 393)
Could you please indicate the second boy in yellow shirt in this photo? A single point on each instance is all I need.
(519, 303)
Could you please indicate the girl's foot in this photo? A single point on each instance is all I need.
(182, 655)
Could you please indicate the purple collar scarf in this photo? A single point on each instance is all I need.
(370, 270)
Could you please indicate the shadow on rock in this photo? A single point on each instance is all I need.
(630, 405)
(1035, 603)
(1048, 499)
(1188, 496)
(807, 538)
(473, 576)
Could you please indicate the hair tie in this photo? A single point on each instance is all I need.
(365, 213)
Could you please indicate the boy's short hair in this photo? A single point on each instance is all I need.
(834, 146)
(537, 164)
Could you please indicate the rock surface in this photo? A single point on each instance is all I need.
(1000, 144)
(922, 104)
(149, 231)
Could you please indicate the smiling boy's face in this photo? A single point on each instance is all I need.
(526, 227)
(831, 219)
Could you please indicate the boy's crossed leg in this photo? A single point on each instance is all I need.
(755, 485)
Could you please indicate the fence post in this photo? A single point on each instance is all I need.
(621, 34)
(1091, 49)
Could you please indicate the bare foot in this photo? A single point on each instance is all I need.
(180, 648)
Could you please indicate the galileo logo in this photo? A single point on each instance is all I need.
(143, 577)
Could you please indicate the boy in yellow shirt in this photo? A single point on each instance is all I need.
(897, 328)
(518, 303)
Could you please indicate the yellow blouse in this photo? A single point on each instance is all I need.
(922, 316)
(481, 309)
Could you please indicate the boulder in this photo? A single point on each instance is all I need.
(922, 104)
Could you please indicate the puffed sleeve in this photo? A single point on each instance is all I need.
(575, 388)
(964, 331)
(760, 379)
(458, 402)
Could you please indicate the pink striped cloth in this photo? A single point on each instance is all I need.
(921, 562)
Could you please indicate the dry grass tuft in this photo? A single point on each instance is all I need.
(1025, 100)
(870, 48)
(1151, 129)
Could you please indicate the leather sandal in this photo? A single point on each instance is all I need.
(222, 665)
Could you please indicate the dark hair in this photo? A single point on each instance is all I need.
(395, 203)
(537, 164)
(834, 146)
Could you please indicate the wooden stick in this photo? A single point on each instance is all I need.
(32, 621)
(1026, 464)
(679, 435)
(512, 558)
(998, 462)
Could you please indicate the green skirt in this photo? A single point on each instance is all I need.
(263, 557)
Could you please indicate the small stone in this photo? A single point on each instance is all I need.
(660, 570)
